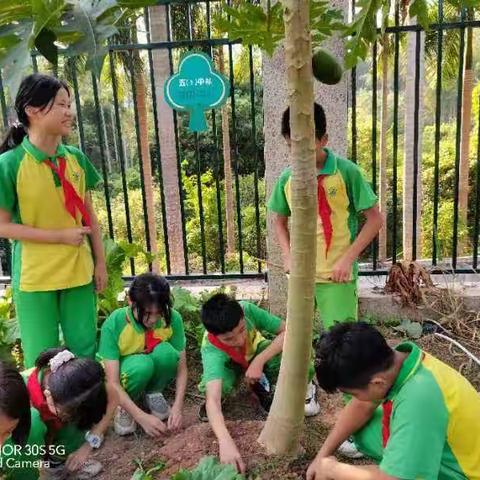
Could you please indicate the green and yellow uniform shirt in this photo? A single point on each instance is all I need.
(257, 320)
(433, 429)
(122, 335)
(347, 194)
(31, 192)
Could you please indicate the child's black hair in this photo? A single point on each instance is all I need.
(319, 118)
(349, 356)
(36, 90)
(77, 388)
(15, 402)
(221, 314)
(149, 289)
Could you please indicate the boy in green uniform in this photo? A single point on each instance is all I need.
(342, 194)
(427, 425)
(234, 346)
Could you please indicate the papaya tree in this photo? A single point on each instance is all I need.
(297, 23)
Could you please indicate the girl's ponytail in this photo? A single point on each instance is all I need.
(14, 137)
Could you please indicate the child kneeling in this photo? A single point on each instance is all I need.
(234, 346)
(143, 350)
(72, 407)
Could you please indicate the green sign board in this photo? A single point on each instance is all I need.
(196, 87)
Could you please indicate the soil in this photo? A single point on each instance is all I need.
(121, 456)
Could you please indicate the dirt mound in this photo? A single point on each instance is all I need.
(185, 449)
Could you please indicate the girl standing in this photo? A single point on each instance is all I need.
(46, 209)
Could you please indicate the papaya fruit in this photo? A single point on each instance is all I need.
(326, 68)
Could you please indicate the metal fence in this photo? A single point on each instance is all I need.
(188, 26)
(450, 247)
(199, 158)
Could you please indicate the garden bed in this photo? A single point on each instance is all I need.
(120, 456)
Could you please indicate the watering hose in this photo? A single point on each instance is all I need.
(460, 346)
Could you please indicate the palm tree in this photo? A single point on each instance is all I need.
(450, 66)
(227, 166)
(134, 68)
(384, 58)
(466, 130)
(168, 151)
(413, 144)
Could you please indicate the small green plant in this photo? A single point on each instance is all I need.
(142, 474)
(9, 329)
(209, 469)
(116, 256)
(410, 329)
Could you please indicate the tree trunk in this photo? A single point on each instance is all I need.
(140, 100)
(382, 242)
(107, 144)
(114, 135)
(408, 164)
(227, 167)
(126, 154)
(464, 187)
(282, 430)
(168, 151)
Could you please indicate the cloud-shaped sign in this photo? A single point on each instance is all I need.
(195, 88)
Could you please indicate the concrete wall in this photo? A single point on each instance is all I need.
(275, 101)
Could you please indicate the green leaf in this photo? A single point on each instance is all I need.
(419, 9)
(411, 329)
(14, 11)
(362, 32)
(96, 21)
(45, 44)
(324, 21)
(133, 4)
(184, 300)
(250, 23)
(209, 469)
(15, 56)
(45, 14)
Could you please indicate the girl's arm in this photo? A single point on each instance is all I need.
(78, 458)
(175, 418)
(97, 246)
(15, 231)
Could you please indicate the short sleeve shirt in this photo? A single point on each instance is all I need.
(258, 321)
(434, 428)
(121, 335)
(348, 194)
(31, 192)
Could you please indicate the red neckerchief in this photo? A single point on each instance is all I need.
(150, 340)
(232, 352)
(387, 407)
(38, 400)
(325, 212)
(73, 202)
(387, 415)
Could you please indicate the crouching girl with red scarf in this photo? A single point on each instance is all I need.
(71, 409)
(143, 349)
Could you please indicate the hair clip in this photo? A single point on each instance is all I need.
(59, 359)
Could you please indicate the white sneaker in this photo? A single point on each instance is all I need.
(157, 405)
(349, 449)
(90, 469)
(312, 407)
(57, 471)
(123, 422)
